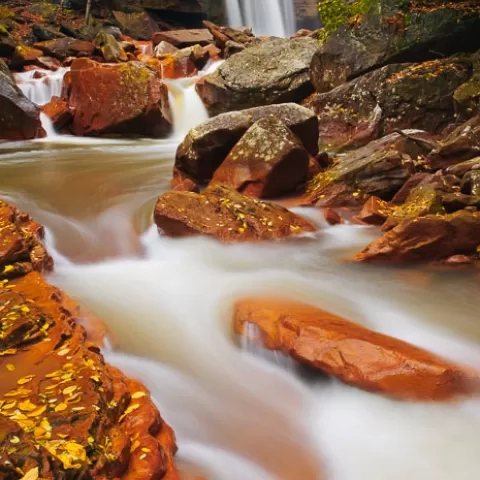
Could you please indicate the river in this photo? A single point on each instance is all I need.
(240, 413)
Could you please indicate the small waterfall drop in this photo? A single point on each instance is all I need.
(267, 17)
(39, 86)
(187, 107)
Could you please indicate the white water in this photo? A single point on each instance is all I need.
(167, 304)
(266, 17)
(41, 90)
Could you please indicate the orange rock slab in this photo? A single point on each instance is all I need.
(63, 410)
(351, 352)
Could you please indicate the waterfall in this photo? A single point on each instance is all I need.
(266, 17)
(39, 86)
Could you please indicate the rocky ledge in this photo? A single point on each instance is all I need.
(63, 410)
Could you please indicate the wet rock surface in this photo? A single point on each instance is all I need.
(226, 215)
(19, 118)
(267, 162)
(98, 97)
(351, 352)
(275, 71)
(207, 145)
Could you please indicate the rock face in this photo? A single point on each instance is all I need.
(276, 71)
(206, 146)
(380, 168)
(397, 96)
(226, 215)
(19, 118)
(395, 31)
(267, 162)
(63, 410)
(126, 98)
(352, 353)
(425, 239)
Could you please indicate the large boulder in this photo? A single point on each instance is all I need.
(379, 168)
(206, 146)
(226, 215)
(396, 96)
(65, 47)
(269, 161)
(425, 239)
(19, 117)
(351, 352)
(394, 31)
(274, 71)
(127, 98)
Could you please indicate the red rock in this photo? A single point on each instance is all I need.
(225, 214)
(181, 182)
(351, 352)
(375, 211)
(332, 217)
(98, 93)
(424, 239)
(183, 38)
(268, 161)
(174, 66)
(58, 112)
(65, 47)
(459, 260)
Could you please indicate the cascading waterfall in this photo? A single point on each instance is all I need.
(39, 86)
(266, 17)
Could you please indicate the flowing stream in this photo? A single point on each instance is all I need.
(240, 413)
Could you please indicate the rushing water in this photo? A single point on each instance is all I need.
(240, 413)
(266, 17)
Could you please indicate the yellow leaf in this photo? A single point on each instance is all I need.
(131, 408)
(26, 379)
(14, 439)
(69, 390)
(61, 407)
(138, 395)
(10, 367)
(27, 406)
(38, 411)
(63, 352)
(9, 351)
(32, 474)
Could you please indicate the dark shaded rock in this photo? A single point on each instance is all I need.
(7, 45)
(275, 71)
(64, 47)
(395, 31)
(268, 161)
(19, 117)
(24, 55)
(225, 35)
(206, 146)
(394, 97)
(226, 215)
(126, 98)
(455, 201)
(471, 183)
(380, 168)
(43, 33)
(139, 25)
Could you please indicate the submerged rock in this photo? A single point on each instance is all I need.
(226, 215)
(127, 98)
(19, 117)
(269, 161)
(425, 239)
(351, 352)
(206, 146)
(63, 411)
(395, 31)
(276, 71)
